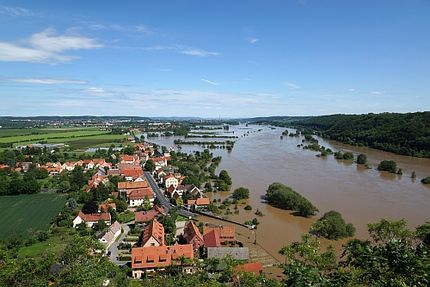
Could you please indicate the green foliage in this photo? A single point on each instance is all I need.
(128, 150)
(126, 216)
(306, 265)
(361, 159)
(285, 197)
(121, 205)
(348, 156)
(392, 258)
(332, 226)
(426, 180)
(248, 207)
(407, 134)
(150, 166)
(241, 193)
(388, 165)
(90, 206)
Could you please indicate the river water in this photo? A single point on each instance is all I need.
(361, 195)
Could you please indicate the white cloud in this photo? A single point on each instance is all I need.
(377, 92)
(351, 90)
(182, 49)
(15, 11)
(143, 29)
(46, 47)
(96, 26)
(198, 52)
(292, 86)
(117, 27)
(46, 81)
(210, 82)
(96, 91)
(253, 40)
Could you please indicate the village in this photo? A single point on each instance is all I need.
(163, 231)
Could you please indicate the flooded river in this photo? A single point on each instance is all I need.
(362, 195)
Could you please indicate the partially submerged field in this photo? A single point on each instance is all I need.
(23, 214)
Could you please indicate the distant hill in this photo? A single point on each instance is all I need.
(406, 134)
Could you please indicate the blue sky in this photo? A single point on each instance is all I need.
(214, 58)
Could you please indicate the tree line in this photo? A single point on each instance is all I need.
(406, 134)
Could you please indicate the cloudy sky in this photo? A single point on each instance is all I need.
(215, 58)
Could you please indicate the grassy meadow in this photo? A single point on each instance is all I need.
(74, 137)
(23, 214)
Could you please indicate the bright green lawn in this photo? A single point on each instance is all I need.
(55, 244)
(22, 214)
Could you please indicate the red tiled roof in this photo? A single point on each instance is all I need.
(145, 216)
(133, 173)
(255, 267)
(94, 217)
(132, 185)
(202, 201)
(104, 207)
(156, 230)
(226, 233)
(169, 175)
(212, 239)
(159, 256)
(141, 193)
(192, 235)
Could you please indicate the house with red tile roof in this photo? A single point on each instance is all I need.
(225, 233)
(130, 159)
(153, 234)
(212, 239)
(193, 236)
(150, 259)
(137, 197)
(106, 206)
(146, 216)
(199, 203)
(169, 180)
(124, 186)
(91, 219)
(2, 166)
(96, 180)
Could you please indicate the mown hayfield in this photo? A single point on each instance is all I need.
(23, 214)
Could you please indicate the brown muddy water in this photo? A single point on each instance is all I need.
(362, 195)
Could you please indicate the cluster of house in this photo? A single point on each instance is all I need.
(173, 187)
(55, 168)
(154, 255)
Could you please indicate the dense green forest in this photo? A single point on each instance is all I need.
(407, 134)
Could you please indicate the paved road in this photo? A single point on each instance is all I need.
(114, 247)
(162, 199)
(160, 196)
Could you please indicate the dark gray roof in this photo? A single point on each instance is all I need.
(238, 253)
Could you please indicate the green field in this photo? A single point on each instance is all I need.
(24, 132)
(54, 245)
(76, 138)
(22, 214)
(51, 136)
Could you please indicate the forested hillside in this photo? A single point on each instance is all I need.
(407, 134)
